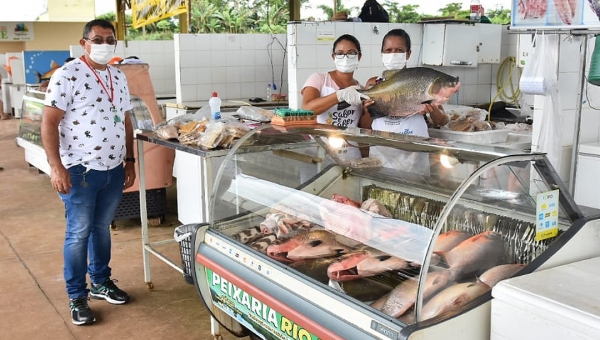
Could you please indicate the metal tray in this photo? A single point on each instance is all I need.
(476, 137)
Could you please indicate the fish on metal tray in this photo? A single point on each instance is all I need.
(404, 295)
(374, 206)
(263, 243)
(280, 224)
(365, 262)
(452, 298)
(499, 273)
(404, 91)
(449, 240)
(475, 255)
(248, 235)
(315, 243)
(345, 200)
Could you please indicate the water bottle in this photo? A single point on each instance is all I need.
(215, 106)
(475, 13)
(269, 97)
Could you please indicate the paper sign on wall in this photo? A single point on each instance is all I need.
(547, 215)
(16, 31)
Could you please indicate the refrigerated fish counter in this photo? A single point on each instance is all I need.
(321, 233)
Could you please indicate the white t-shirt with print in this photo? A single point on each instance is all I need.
(92, 131)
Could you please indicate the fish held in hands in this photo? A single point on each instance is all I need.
(403, 92)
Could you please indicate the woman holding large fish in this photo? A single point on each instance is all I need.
(395, 52)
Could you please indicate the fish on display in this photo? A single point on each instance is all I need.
(453, 298)
(364, 263)
(449, 240)
(263, 243)
(404, 91)
(404, 295)
(312, 244)
(499, 273)
(346, 220)
(345, 200)
(475, 255)
(374, 206)
(248, 235)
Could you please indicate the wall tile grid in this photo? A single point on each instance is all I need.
(159, 54)
(236, 66)
(312, 43)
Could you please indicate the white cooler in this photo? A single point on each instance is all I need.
(558, 303)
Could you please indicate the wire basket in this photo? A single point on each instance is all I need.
(185, 235)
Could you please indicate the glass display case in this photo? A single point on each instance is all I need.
(324, 233)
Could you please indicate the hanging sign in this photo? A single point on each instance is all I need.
(253, 313)
(547, 213)
(16, 31)
(145, 12)
(557, 14)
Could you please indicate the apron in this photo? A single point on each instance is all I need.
(411, 125)
(397, 159)
(342, 115)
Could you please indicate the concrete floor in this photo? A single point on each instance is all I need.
(33, 302)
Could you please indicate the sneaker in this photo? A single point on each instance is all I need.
(81, 314)
(109, 292)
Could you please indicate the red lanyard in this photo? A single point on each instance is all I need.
(112, 89)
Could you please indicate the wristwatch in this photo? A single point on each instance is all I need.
(130, 159)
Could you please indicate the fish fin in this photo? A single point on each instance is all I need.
(54, 64)
(38, 76)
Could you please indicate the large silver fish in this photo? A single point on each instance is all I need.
(499, 273)
(404, 91)
(453, 298)
(475, 255)
(403, 297)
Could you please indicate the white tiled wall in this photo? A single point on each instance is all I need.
(236, 66)
(309, 53)
(159, 54)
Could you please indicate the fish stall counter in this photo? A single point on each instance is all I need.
(371, 248)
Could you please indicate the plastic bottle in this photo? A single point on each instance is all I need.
(475, 13)
(215, 106)
(269, 97)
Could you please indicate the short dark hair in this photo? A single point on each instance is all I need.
(397, 32)
(348, 37)
(97, 22)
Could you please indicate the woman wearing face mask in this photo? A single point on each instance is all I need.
(333, 95)
(395, 51)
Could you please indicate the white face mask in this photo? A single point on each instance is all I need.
(346, 65)
(393, 61)
(102, 53)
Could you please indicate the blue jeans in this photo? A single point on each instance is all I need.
(89, 210)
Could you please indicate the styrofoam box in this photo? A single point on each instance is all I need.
(557, 303)
(476, 137)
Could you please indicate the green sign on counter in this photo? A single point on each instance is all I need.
(253, 313)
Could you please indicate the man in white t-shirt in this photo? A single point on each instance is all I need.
(88, 138)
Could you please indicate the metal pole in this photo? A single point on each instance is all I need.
(582, 61)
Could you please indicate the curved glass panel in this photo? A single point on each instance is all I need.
(365, 212)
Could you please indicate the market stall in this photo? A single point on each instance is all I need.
(355, 250)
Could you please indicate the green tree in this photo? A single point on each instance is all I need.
(329, 11)
(407, 13)
(499, 15)
(453, 10)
